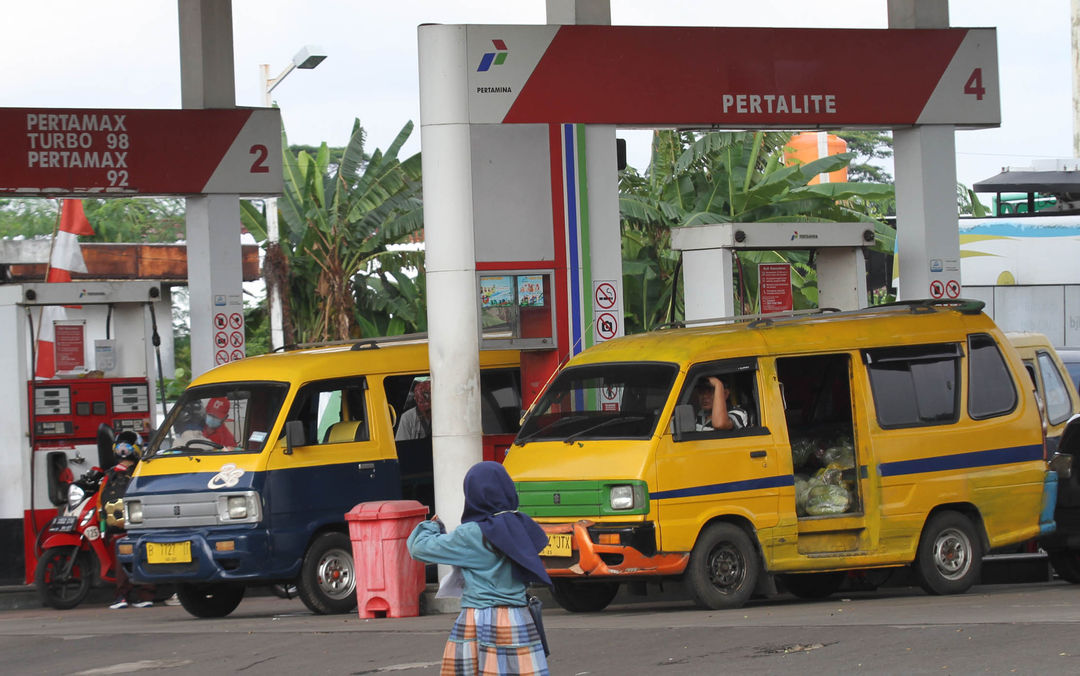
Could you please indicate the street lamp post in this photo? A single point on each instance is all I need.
(307, 58)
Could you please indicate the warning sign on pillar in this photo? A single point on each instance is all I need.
(937, 288)
(230, 343)
(605, 295)
(952, 288)
(610, 398)
(605, 326)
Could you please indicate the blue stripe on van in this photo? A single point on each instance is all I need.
(943, 463)
(729, 487)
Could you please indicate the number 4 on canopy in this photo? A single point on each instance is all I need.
(974, 85)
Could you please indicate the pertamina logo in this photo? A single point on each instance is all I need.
(496, 58)
(795, 235)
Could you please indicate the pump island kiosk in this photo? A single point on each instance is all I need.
(518, 137)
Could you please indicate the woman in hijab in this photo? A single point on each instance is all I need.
(496, 550)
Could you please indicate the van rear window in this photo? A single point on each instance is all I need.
(991, 390)
(916, 385)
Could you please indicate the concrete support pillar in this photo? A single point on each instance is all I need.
(707, 284)
(213, 222)
(841, 276)
(450, 259)
(925, 159)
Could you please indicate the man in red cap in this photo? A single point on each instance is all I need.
(217, 410)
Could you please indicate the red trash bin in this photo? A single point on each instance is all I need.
(388, 580)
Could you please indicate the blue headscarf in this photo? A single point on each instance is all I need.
(491, 502)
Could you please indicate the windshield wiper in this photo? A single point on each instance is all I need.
(554, 423)
(603, 423)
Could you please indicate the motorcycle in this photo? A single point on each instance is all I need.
(75, 554)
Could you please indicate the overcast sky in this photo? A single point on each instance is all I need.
(125, 54)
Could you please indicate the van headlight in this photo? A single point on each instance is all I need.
(133, 511)
(241, 507)
(623, 497)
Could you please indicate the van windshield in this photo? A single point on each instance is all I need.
(220, 418)
(601, 401)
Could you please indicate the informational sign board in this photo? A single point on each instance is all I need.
(774, 287)
(101, 152)
(70, 346)
(741, 78)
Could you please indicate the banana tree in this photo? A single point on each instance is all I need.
(344, 261)
(722, 177)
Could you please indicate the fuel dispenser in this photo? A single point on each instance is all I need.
(63, 417)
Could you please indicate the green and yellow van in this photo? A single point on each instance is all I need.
(304, 436)
(897, 435)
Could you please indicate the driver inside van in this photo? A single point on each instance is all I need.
(713, 411)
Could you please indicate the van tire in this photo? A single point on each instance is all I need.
(949, 557)
(723, 568)
(583, 597)
(327, 582)
(1066, 563)
(813, 585)
(210, 600)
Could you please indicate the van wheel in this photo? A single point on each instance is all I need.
(949, 556)
(327, 582)
(723, 568)
(210, 600)
(583, 597)
(1066, 563)
(813, 585)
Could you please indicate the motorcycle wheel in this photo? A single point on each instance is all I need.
(57, 590)
(210, 600)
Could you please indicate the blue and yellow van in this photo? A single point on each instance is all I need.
(249, 479)
(901, 435)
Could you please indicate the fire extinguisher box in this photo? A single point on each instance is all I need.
(389, 581)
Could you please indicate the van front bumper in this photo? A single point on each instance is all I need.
(611, 549)
(216, 556)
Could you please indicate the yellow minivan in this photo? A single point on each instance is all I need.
(897, 435)
(1052, 382)
(249, 479)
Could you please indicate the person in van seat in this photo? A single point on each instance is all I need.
(713, 411)
(217, 410)
(416, 422)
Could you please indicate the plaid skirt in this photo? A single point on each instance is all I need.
(492, 642)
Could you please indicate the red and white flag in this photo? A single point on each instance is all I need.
(66, 258)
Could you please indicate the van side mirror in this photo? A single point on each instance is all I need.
(294, 435)
(682, 421)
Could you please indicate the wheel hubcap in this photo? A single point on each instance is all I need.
(336, 578)
(726, 568)
(952, 554)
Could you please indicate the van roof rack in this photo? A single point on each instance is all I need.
(363, 344)
(967, 306)
(753, 318)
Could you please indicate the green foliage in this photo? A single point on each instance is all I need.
(343, 268)
(117, 219)
(726, 177)
(27, 218)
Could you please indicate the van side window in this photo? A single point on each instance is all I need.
(333, 412)
(741, 404)
(500, 401)
(991, 390)
(915, 385)
(1058, 405)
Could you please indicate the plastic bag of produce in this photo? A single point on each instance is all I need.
(801, 451)
(827, 499)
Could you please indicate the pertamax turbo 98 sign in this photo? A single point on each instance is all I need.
(52, 151)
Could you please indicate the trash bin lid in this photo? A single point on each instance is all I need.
(384, 510)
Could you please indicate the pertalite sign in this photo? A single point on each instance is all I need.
(101, 152)
(741, 78)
